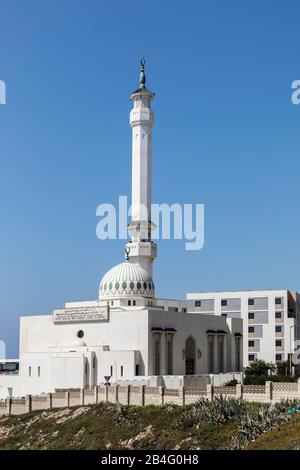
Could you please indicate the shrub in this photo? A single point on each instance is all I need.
(125, 414)
(252, 418)
(219, 411)
(253, 424)
(258, 372)
(231, 383)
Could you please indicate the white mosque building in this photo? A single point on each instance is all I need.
(126, 334)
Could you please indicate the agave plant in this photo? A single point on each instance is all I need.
(285, 405)
(125, 414)
(254, 423)
(253, 418)
(219, 411)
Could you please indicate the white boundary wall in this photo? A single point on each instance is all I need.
(142, 395)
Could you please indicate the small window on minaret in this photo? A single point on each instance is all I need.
(39, 371)
(129, 302)
(29, 371)
(133, 302)
(121, 371)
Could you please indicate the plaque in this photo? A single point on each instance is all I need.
(80, 314)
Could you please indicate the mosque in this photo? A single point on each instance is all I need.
(126, 334)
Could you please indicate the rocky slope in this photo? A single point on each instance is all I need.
(107, 426)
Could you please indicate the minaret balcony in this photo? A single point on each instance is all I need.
(141, 115)
(141, 249)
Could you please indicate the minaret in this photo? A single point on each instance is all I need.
(141, 250)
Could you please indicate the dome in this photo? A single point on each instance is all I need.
(126, 279)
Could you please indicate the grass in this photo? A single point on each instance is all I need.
(109, 426)
(285, 438)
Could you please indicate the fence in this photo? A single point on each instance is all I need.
(142, 396)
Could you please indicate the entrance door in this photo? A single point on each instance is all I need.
(189, 367)
(190, 356)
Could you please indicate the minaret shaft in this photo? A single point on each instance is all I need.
(141, 171)
(141, 250)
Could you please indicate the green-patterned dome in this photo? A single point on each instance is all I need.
(126, 279)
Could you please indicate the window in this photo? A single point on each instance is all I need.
(278, 315)
(94, 362)
(157, 354)
(278, 357)
(111, 371)
(277, 300)
(250, 329)
(251, 344)
(176, 309)
(223, 314)
(121, 371)
(86, 368)
(169, 357)
(39, 371)
(221, 353)
(133, 302)
(9, 367)
(278, 329)
(250, 301)
(29, 371)
(211, 354)
(278, 342)
(184, 310)
(251, 316)
(137, 369)
(129, 302)
(198, 303)
(238, 353)
(223, 303)
(80, 334)
(251, 357)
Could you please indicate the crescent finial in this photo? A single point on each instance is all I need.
(142, 73)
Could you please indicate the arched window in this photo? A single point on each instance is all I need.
(211, 354)
(156, 347)
(221, 353)
(169, 357)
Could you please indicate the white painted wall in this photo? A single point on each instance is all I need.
(186, 325)
(53, 356)
(9, 386)
(267, 342)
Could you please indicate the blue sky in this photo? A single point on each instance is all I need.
(226, 134)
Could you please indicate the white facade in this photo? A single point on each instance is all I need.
(129, 344)
(270, 319)
(126, 333)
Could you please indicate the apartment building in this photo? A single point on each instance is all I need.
(271, 322)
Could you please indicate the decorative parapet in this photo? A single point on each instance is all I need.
(142, 395)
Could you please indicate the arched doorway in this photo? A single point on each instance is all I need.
(190, 356)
